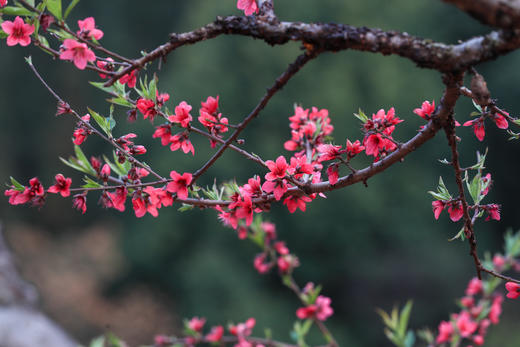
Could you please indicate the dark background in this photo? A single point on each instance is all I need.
(369, 247)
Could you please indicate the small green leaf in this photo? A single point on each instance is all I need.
(460, 235)
(185, 207)
(90, 183)
(83, 161)
(361, 116)
(409, 341)
(28, 60)
(101, 86)
(54, 7)
(17, 185)
(73, 165)
(404, 318)
(477, 106)
(98, 342)
(16, 11)
(101, 121)
(115, 167)
(71, 6)
(121, 101)
(444, 161)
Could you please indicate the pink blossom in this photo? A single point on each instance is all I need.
(260, 265)
(333, 174)
(498, 262)
(77, 52)
(426, 110)
(196, 323)
(87, 28)
(445, 332)
(19, 32)
(3, 3)
(496, 309)
(493, 211)
(278, 188)
(354, 148)
(478, 127)
(294, 202)
(118, 198)
(513, 290)
(62, 186)
(500, 120)
(182, 115)
(455, 210)
(438, 206)
(147, 108)
(179, 184)
(320, 309)
(79, 202)
(130, 79)
(248, 6)
(474, 286)
(465, 324)
(216, 333)
(182, 141)
(278, 168)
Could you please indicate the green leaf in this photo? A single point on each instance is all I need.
(404, 318)
(474, 188)
(83, 161)
(71, 6)
(409, 340)
(480, 161)
(115, 167)
(101, 86)
(185, 207)
(121, 101)
(98, 342)
(17, 185)
(16, 11)
(73, 165)
(361, 116)
(54, 7)
(459, 234)
(103, 122)
(444, 161)
(30, 2)
(90, 183)
(477, 106)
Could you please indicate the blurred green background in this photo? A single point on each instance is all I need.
(369, 247)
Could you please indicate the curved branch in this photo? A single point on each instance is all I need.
(336, 37)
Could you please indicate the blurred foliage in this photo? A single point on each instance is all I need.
(369, 246)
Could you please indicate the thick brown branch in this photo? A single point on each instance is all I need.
(337, 37)
(503, 14)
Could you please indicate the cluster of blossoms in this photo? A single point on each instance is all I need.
(378, 139)
(477, 314)
(35, 193)
(455, 209)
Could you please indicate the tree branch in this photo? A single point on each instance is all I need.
(503, 14)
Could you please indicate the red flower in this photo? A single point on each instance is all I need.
(105, 65)
(277, 168)
(129, 79)
(354, 148)
(474, 286)
(513, 290)
(142, 205)
(445, 332)
(118, 198)
(79, 53)
(333, 174)
(500, 120)
(62, 186)
(499, 262)
(18, 31)
(320, 309)
(328, 152)
(253, 187)
(181, 140)
(373, 143)
(294, 202)
(278, 188)
(494, 212)
(87, 28)
(164, 132)
(299, 166)
(248, 6)
(465, 325)
(196, 324)
(147, 108)
(215, 335)
(3, 3)
(79, 202)
(179, 184)
(496, 309)
(281, 248)
(260, 265)
(426, 110)
(455, 211)
(210, 106)
(478, 127)
(245, 209)
(182, 115)
(438, 206)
